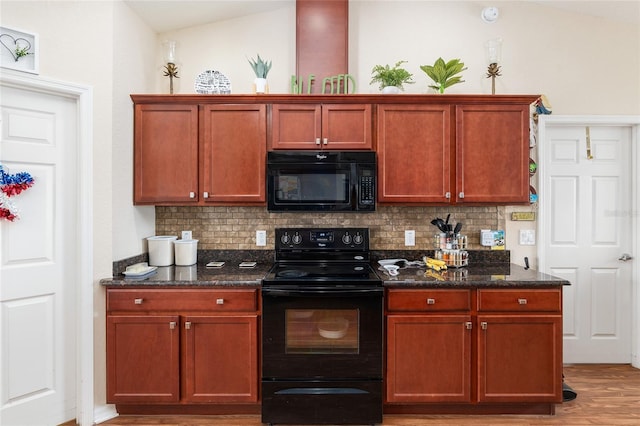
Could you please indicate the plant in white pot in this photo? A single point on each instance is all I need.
(444, 74)
(261, 69)
(391, 79)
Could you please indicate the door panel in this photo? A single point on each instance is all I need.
(586, 213)
(37, 260)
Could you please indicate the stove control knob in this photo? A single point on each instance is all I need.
(284, 239)
(358, 239)
(346, 239)
(297, 238)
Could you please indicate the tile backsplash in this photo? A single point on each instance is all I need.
(234, 228)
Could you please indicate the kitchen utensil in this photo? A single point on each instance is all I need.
(458, 227)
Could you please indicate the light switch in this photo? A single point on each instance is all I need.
(527, 237)
(410, 237)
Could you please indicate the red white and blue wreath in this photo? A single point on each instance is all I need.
(11, 185)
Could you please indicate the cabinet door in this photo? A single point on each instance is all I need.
(221, 358)
(142, 359)
(296, 127)
(165, 154)
(414, 155)
(234, 151)
(520, 358)
(492, 143)
(428, 358)
(346, 126)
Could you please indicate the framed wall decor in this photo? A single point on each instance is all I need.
(19, 50)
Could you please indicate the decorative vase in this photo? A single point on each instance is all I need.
(261, 85)
(391, 90)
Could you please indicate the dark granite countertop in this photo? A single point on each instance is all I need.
(509, 275)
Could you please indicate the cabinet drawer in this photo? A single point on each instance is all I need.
(525, 300)
(209, 300)
(429, 300)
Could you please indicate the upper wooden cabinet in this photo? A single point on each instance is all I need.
(414, 153)
(321, 126)
(186, 153)
(234, 152)
(466, 150)
(492, 154)
(165, 154)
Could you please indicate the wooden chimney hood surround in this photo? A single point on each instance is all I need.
(322, 36)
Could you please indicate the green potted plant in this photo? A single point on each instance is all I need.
(261, 68)
(444, 74)
(391, 80)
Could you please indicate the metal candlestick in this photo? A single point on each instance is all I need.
(493, 71)
(171, 71)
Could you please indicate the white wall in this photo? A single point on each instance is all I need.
(583, 64)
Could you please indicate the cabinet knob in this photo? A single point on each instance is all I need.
(192, 194)
(172, 325)
(138, 301)
(219, 301)
(431, 301)
(187, 325)
(447, 195)
(317, 141)
(483, 325)
(325, 141)
(205, 194)
(468, 325)
(522, 301)
(461, 195)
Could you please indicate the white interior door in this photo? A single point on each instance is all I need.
(38, 284)
(586, 227)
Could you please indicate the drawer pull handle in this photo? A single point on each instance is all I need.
(522, 301)
(431, 301)
(205, 195)
(187, 325)
(468, 325)
(483, 325)
(172, 325)
(138, 301)
(219, 301)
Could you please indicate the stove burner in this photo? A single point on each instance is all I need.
(292, 273)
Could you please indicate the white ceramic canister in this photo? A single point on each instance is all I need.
(161, 250)
(186, 252)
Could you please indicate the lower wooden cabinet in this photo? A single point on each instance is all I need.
(182, 346)
(475, 348)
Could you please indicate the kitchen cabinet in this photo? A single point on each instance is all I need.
(234, 153)
(519, 345)
(428, 346)
(414, 153)
(492, 154)
(321, 126)
(165, 154)
(182, 346)
(451, 153)
(483, 350)
(199, 154)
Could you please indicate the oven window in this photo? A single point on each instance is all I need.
(322, 331)
(313, 187)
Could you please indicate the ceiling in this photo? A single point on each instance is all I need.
(169, 15)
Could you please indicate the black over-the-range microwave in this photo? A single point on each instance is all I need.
(321, 181)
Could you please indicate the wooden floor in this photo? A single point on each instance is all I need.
(607, 395)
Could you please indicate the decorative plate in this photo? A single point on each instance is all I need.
(212, 82)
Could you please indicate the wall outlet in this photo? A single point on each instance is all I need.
(261, 238)
(187, 235)
(410, 237)
(527, 237)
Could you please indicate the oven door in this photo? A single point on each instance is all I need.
(334, 332)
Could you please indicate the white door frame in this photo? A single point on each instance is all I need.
(83, 97)
(580, 120)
